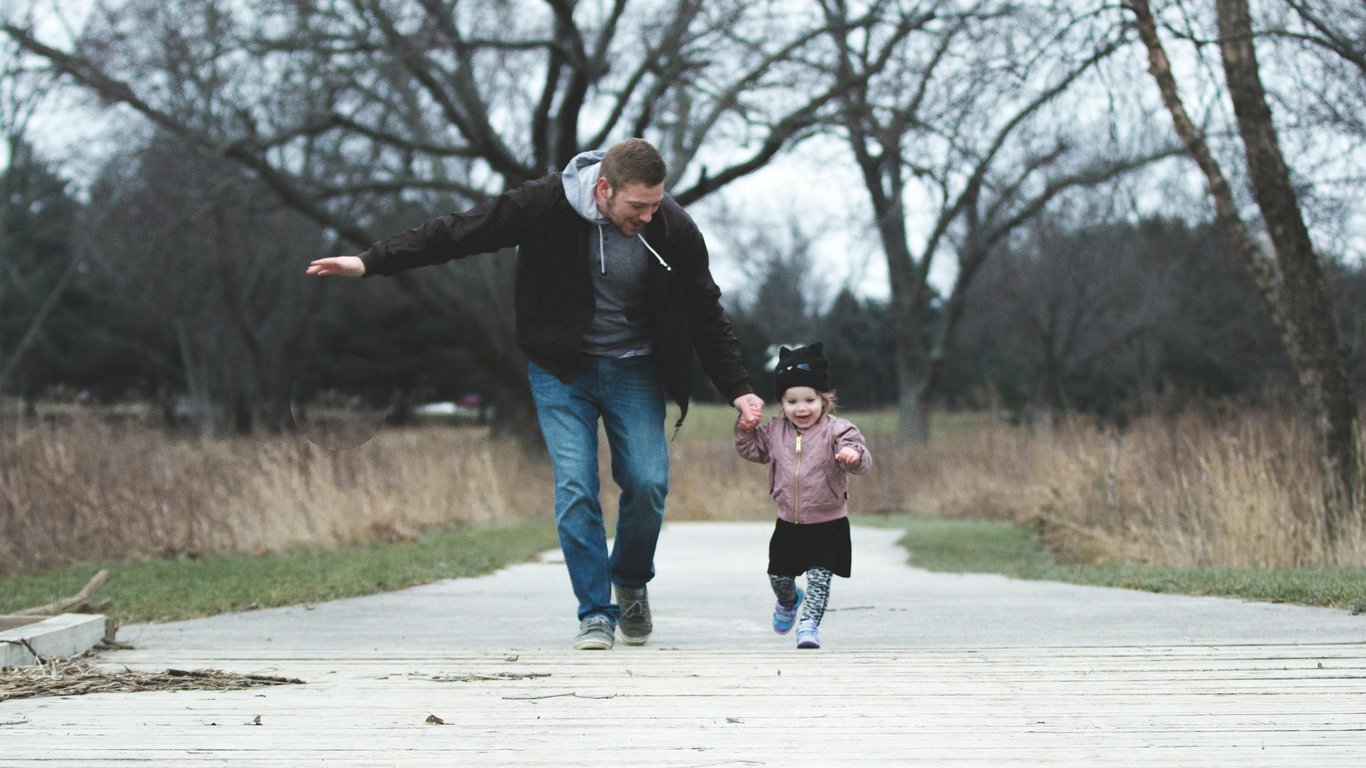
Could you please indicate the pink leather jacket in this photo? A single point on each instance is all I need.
(803, 476)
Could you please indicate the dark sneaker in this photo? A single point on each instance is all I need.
(785, 615)
(595, 634)
(808, 634)
(635, 624)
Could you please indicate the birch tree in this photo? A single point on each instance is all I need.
(1284, 264)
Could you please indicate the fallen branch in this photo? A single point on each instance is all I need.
(66, 604)
(213, 674)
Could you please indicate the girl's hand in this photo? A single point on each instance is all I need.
(848, 456)
(751, 410)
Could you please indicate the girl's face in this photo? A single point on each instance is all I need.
(802, 406)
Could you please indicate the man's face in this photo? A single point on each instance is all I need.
(629, 208)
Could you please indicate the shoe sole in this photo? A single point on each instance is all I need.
(634, 639)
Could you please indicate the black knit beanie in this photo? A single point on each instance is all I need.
(802, 367)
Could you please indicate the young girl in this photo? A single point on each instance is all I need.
(811, 454)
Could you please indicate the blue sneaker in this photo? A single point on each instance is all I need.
(809, 635)
(784, 616)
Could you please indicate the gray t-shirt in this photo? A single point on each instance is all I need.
(620, 324)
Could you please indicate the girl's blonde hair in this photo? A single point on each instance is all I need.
(828, 402)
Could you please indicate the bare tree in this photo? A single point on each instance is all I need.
(1317, 53)
(785, 287)
(342, 106)
(947, 104)
(197, 261)
(1336, 80)
(1289, 278)
(36, 265)
(1083, 306)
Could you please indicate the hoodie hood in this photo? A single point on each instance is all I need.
(579, 179)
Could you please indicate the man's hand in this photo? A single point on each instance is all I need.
(348, 266)
(751, 410)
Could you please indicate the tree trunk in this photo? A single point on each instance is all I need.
(1291, 285)
(1313, 340)
(913, 410)
(908, 310)
(197, 392)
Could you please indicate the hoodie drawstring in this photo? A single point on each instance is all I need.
(658, 258)
(602, 252)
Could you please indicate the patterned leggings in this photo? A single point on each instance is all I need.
(817, 592)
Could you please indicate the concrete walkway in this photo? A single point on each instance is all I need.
(918, 669)
(711, 592)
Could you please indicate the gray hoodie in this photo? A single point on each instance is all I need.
(618, 267)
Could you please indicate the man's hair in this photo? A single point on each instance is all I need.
(633, 161)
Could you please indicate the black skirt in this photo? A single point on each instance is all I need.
(796, 549)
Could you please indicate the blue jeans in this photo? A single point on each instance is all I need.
(626, 395)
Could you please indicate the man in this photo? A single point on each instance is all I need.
(613, 295)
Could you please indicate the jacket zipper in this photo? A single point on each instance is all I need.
(797, 485)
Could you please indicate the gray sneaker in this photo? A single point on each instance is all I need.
(595, 634)
(635, 621)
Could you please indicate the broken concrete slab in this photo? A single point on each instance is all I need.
(68, 634)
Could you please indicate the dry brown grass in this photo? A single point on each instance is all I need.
(970, 473)
(1233, 491)
(1238, 492)
(84, 489)
(973, 467)
(709, 481)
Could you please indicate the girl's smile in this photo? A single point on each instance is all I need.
(802, 406)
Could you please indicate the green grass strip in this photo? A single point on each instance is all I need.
(169, 590)
(993, 546)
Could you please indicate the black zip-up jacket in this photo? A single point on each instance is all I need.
(554, 290)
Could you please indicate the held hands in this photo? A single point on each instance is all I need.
(848, 456)
(348, 266)
(751, 410)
